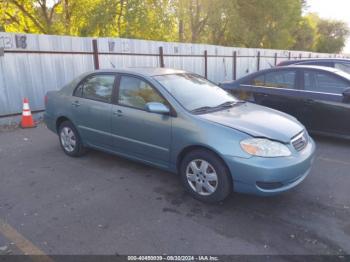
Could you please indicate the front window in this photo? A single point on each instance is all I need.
(323, 82)
(344, 67)
(194, 92)
(137, 93)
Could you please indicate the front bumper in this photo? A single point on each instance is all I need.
(270, 176)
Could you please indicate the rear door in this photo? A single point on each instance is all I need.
(91, 108)
(325, 110)
(278, 89)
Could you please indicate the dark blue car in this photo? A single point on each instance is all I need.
(338, 63)
(319, 97)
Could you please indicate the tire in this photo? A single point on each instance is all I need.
(70, 140)
(201, 167)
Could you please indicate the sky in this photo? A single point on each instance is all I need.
(332, 9)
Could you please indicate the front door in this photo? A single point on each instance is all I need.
(137, 132)
(325, 108)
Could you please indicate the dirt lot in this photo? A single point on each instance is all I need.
(103, 204)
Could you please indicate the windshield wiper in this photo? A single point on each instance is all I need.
(202, 109)
(229, 104)
(205, 109)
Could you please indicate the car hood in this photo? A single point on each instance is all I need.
(257, 121)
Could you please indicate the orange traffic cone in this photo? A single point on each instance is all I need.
(27, 119)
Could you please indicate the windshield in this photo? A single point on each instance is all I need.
(194, 92)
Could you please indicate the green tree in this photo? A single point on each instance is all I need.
(150, 20)
(332, 36)
(268, 23)
(102, 19)
(305, 35)
(31, 16)
(247, 23)
(222, 24)
(192, 17)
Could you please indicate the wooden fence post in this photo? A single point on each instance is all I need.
(234, 65)
(258, 61)
(161, 57)
(206, 64)
(95, 54)
(289, 55)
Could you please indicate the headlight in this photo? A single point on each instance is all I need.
(264, 147)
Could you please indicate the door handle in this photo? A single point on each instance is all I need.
(76, 103)
(118, 112)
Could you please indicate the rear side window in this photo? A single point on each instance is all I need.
(323, 82)
(279, 79)
(98, 87)
(137, 93)
(258, 81)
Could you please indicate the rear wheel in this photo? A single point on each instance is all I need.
(205, 176)
(70, 140)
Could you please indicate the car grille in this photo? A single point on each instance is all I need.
(300, 141)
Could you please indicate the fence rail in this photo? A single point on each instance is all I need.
(31, 65)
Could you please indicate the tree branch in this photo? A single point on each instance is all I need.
(53, 9)
(29, 15)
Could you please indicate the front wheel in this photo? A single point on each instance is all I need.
(205, 176)
(70, 140)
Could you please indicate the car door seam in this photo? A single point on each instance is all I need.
(125, 138)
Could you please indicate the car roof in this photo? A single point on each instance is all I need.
(323, 68)
(144, 71)
(287, 62)
(274, 69)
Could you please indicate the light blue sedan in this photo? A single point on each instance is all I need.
(182, 123)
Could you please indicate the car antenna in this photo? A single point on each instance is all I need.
(112, 64)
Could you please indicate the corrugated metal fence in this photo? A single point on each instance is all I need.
(31, 65)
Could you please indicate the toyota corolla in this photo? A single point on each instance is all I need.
(182, 123)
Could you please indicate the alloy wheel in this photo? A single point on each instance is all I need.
(68, 139)
(202, 177)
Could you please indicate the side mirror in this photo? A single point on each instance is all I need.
(346, 95)
(156, 107)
